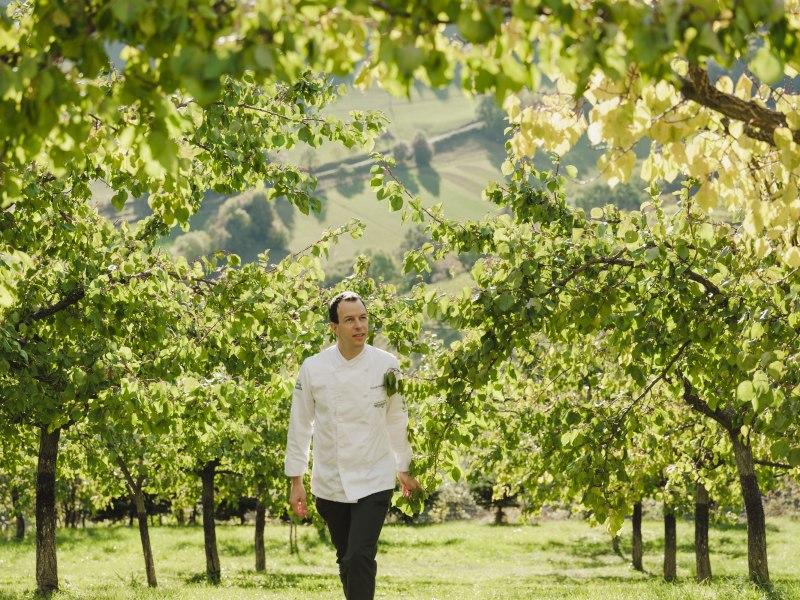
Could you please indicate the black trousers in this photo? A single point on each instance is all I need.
(354, 530)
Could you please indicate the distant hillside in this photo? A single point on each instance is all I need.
(458, 172)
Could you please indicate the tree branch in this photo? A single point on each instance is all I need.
(661, 376)
(760, 122)
(601, 260)
(769, 463)
(704, 282)
(65, 302)
(723, 417)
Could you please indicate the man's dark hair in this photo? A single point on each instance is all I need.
(333, 307)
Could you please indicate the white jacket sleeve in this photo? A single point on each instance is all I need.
(397, 428)
(301, 426)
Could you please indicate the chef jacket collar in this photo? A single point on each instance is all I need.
(340, 359)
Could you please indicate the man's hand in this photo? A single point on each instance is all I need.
(298, 499)
(409, 483)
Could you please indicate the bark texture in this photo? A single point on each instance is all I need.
(670, 545)
(702, 559)
(46, 563)
(261, 519)
(213, 569)
(19, 518)
(757, 563)
(144, 534)
(637, 552)
(756, 522)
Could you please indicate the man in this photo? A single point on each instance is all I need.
(360, 442)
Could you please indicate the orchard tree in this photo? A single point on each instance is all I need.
(17, 463)
(70, 281)
(131, 439)
(640, 70)
(67, 341)
(684, 304)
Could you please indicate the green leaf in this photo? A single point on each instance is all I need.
(126, 11)
(706, 231)
(118, 200)
(780, 450)
(504, 301)
(745, 392)
(763, 401)
(652, 254)
(390, 381)
(767, 65)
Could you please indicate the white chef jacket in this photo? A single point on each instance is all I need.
(359, 433)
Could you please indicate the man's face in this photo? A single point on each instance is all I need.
(353, 326)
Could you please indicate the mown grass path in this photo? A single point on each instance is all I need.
(553, 559)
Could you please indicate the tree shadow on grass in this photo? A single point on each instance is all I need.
(583, 548)
(430, 180)
(565, 578)
(247, 547)
(350, 183)
(270, 581)
(584, 555)
(405, 543)
(66, 539)
(730, 551)
(277, 581)
(405, 175)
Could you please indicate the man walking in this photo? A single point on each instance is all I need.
(360, 443)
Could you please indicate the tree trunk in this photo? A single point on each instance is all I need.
(73, 511)
(637, 552)
(207, 475)
(616, 547)
(46, 563)
(702, 559)
(18, 516)
(499, 516)
(144, 534)
(670, 545)
(756, 523)
(261, 518)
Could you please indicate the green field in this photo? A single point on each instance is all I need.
(427, 111)
(456, 180)
(552, 559)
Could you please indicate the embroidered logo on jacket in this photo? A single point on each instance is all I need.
(379, 403)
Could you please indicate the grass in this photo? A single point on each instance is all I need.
(456, 180)
(552, 559)
(431, 112)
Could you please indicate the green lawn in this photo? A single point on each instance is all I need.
(553, 559)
